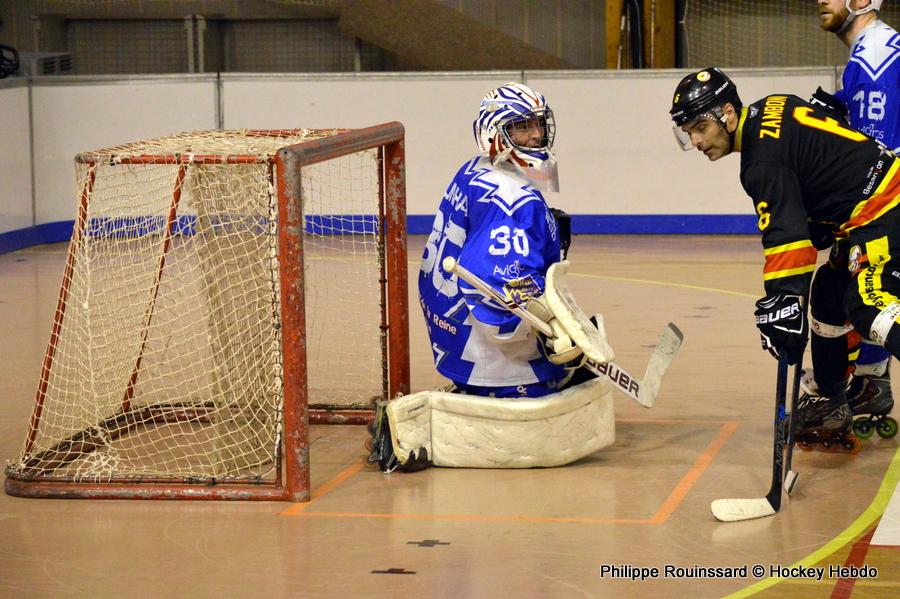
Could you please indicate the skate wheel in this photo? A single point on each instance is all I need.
(863, 427)
(370, 465)
(805, 445)
(887, 428)
(852, 444)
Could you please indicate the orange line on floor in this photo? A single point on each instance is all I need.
(672, 421)
(471, 518)
(687, 481)
(327, 487)
(662, 514)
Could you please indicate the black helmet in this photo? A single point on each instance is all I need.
(700, 92)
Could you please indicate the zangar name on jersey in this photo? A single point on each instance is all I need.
(773, 111)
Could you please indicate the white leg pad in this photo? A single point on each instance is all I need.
(466, 431)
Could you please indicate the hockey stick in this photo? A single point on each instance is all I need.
(790, 477)
(733, 510)
(643, 391)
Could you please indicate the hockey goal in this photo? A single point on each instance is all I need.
(221, 288)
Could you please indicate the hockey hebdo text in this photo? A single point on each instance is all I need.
(818, 573)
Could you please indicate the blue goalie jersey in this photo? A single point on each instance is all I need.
(871, 84)
(499, 227)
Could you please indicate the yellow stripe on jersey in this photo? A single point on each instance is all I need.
(878, 251)
(791, 272)
(786, 247)
(886, 197)
(871, 288)
(789, 260)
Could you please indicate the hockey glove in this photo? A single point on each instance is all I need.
(782, 324)
(822, 100)
(559, 348)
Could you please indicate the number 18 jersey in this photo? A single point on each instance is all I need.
(871, 84)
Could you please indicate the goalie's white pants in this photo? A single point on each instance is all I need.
(467, 431)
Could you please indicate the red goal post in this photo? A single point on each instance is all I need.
(221, 290)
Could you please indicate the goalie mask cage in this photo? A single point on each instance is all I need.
(221, 288)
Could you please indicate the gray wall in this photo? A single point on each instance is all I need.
(133, 36)
(138, 36)
(16, 210)
(752, 33)
(615, 146)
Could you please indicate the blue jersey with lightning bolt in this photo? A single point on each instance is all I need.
(871, 92)
(871, 84)
(499, 227)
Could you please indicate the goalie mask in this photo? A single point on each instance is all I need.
(702, 95)
(516, 126)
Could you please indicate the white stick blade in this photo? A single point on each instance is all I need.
(669, 344)
(734, 510)
(790, 479)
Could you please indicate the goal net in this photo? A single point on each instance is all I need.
(217, 285)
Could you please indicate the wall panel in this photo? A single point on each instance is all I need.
(617, 157)
(617, 152)
(437, 112)
(73, 115)
(15, 168)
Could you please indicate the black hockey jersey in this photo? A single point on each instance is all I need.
(801, 166)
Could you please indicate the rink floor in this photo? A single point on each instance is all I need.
(635, 509)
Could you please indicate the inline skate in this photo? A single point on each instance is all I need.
(871, 402)
(824, 423)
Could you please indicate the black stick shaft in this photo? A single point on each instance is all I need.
(774, 495)
(789, 430)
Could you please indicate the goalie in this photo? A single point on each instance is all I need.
(494, 220)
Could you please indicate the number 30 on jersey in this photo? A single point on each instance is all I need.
(503, 240)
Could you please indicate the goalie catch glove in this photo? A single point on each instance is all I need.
(559, 348)
(782, 324)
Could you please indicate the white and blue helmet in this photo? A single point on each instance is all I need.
(852, 14)
(873, 5)
(501, 109)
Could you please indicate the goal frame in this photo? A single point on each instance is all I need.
(292, 465)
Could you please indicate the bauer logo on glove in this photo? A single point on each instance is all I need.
(781, 320)
(786, 316)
